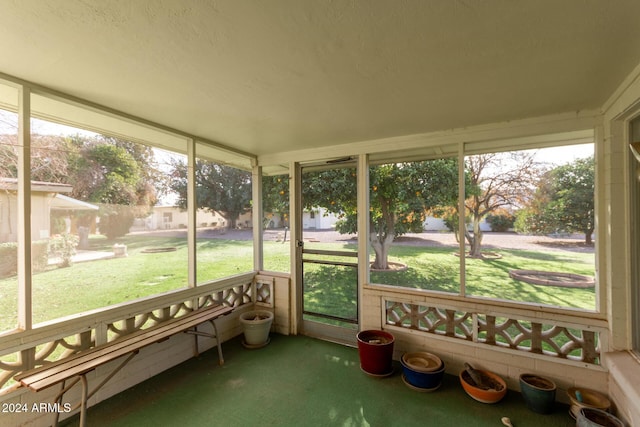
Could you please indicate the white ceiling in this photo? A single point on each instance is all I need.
(279, 75)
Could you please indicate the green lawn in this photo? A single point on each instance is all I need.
(60, 292)
(438, 269)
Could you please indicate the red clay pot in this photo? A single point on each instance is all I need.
(376, 352)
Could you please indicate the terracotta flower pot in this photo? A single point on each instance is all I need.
(375, 349)
(494, 392)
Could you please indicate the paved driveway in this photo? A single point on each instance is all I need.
(491, 240)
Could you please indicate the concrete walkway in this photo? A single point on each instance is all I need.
(83, 256)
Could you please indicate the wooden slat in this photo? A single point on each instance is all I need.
(48, 375)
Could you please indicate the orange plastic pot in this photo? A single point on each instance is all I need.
(492, 395)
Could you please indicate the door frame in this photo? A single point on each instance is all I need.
(315, 329)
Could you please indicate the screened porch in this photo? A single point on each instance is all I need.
(347, 166)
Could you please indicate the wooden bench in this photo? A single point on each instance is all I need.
(79, 365)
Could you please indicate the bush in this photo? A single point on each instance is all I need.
(500, 222)
(63, 246)
(9, 257)
(39, 255)
(115, 221)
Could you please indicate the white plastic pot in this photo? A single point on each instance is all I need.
(256, 326)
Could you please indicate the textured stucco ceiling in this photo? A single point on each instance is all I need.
(265, 76)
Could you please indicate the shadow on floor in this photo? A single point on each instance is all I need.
(300, 381)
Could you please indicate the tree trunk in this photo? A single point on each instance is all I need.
(381, 246)
(587, 237)
(230, 220)
(475, 241)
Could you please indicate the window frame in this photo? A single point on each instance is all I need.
(475, 148)
(26, 112)
(634, 226)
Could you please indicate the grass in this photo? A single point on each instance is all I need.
(438, 269)
(59, 292)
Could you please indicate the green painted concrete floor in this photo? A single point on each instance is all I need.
(300, 381)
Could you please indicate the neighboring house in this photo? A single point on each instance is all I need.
(45, 197)
(319, 219)
(172, 217)
(438, 224)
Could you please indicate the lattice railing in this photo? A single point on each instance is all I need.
(35, 354)
(264, 291)
(547, 338)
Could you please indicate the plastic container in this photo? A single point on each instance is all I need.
(590, 417)
(586, 398)
(491, 395)
(539, 393)
(256, 326)
(422, 371)
(375, 349)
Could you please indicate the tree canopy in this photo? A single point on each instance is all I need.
(496, 181)
(400, 194)
(120, 176)
(219, 188)
(563, 201)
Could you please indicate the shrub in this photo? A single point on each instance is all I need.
(500, 222)
(63, 246)
(39, 254)
(9, 257)
(115, 221)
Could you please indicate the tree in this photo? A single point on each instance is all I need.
(563, 201)
(219, 188)
(48, 157)
(400, 194)
(496, 180)
(275, 196)
(120, 176)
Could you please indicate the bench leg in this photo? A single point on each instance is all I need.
(219, 343)
(86, 395)
(58, 398)
(215, 335)
(83, 403)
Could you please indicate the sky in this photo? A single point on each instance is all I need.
(565, 154)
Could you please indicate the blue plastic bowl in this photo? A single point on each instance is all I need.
(420, 378)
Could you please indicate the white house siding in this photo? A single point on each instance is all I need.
(172, 217)
(40, 218)
(319, 219)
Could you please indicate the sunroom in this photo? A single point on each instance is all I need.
(345, 165)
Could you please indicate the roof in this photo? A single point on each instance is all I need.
(62, 202)
(36, 186)
(267, 77)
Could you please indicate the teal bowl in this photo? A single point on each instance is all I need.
(539, 393)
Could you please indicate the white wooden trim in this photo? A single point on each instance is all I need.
(25, 309)
(363, 229)
(257, 215)
(295, 222)
(192, 260)
(539, 131)
(461, 220)
(73, 324)
(73, 100)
